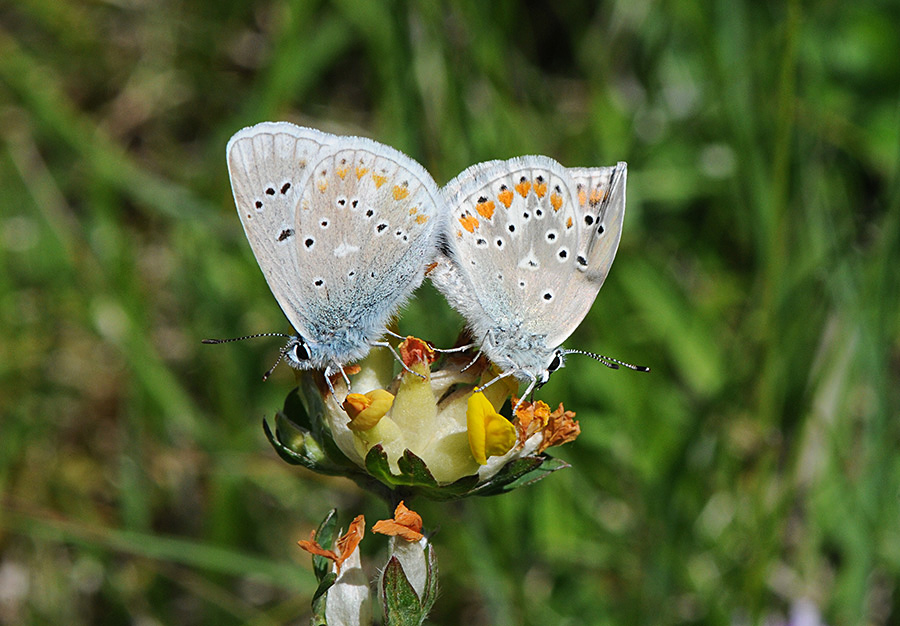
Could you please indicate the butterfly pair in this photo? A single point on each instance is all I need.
(344, 228)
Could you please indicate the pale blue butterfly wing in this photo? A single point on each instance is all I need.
(268, 165)
(600, 192)
(527, 247)
(342, 228)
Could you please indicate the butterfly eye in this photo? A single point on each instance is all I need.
(301, 352)
(555, 364)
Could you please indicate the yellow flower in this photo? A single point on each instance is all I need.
(490, 434)
(366, 410)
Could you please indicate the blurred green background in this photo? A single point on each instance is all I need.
(752, 477)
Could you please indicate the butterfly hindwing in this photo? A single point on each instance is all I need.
(515, 237)
(600, 192)
(368, 219)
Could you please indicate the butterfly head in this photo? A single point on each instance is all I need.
(557, 361)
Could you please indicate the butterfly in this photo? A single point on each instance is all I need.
(526, 248)
(342, 228)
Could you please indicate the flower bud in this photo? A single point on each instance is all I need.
(366, 410)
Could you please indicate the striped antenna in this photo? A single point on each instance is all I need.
(609, 362)
(246, 337)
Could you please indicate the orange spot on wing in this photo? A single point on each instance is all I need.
(458, 234)
(569, 223)
(505, 197)
(342, 172)
(523, 188)
(421, 219)
(379, 180)
(469, 222)
(596, 196)
(361, 171)
(540, 189)
(485, 209)
(582, 197)
(414, 210)
(556, 201)
(400, 192)
(322, 184)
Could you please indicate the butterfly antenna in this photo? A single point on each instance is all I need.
(610, 362)
(245, 337)
(272, 369)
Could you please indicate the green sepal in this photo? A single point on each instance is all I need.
(325, 537)
(452, 491)
(302, 438)
(302, 449)
(430, 592)
(414, 471)
(402, 606)
(519, 473)
(378, 466)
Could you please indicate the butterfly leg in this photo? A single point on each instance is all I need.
(493, 380)
(346, 378)
(327, 373)
(488, 334)
(385, 344)
(458, 349)
(472, 362)
(529, 389)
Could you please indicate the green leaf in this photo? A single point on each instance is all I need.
(401, 604)
(301, 438)
(320, 599)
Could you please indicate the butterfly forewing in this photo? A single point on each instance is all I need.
(268, 165)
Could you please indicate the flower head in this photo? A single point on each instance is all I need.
(423, 430)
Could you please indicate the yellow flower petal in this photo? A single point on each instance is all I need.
(490, 434)
(366, 410)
